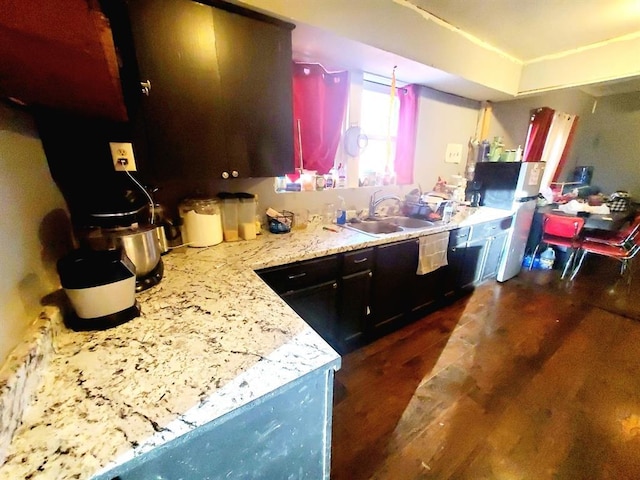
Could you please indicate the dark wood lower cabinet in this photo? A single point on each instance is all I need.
(353, 310)
(318, 306)
(395, 267)
(399, 294)
(353, 298)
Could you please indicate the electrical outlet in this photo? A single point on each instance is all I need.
(454, 153)
(122, 155)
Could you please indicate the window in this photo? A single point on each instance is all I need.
(379, 122)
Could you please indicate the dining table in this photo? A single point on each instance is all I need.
(611, 222)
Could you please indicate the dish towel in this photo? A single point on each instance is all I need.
(433, 252)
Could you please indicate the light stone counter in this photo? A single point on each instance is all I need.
(212, 337)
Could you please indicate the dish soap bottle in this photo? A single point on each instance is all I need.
(547, 259)
(341, 213)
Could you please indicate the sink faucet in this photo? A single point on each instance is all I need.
(374, 202)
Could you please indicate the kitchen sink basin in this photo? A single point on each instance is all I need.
(384, 225)
(409, 222)
(375, 227)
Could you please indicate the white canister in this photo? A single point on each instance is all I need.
(201, 222)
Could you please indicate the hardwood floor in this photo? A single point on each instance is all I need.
(535, 378)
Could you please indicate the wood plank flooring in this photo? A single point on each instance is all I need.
(534, 378)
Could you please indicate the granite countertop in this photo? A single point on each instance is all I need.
(212, 337)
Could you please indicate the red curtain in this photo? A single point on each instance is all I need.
(565, 152)
(537, 135)
(319, 105)
(407, 131)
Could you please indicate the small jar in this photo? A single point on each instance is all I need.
(247, 210)
(201, 222)
(230, 223)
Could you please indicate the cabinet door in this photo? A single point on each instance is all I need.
(473, 262)
(317, 305)
(427, 290)
(220, 97)
(493, 256)
(395, 269)
(184, 112)
(353, 310)
(254, 59)
(453, 272)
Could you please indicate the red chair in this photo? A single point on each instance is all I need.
(624, 252)
(619, 238)
(561, 231)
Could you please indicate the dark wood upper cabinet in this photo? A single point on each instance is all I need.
(220, 103)
(60, 54)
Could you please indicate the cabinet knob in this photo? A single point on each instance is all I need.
(234, 174)
(371, 274)
(225, 175)
(335, 286)
(146, 87)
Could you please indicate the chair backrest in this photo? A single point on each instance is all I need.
(628, 231)
(562, 225)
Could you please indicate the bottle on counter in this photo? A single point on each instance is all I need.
(447, 212)
(341, 213)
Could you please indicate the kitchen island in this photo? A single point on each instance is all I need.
(213, 341)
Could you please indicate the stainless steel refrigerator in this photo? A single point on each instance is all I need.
(512, 186)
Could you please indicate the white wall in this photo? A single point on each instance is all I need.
(443, 119)
(34, 227)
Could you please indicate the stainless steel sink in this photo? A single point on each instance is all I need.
(409, 222)
(385, 225)
(375, 227)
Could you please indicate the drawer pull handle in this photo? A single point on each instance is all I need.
(360, 260)
(299, 275)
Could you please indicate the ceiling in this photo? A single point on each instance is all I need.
(513, 35)
(530, 29)
(523, 30)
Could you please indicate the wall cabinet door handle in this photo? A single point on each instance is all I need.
(146, 87)
(299, 275)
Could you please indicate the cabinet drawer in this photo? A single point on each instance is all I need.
(459, 236)
(357, 261)
(488, 229)
(301, 275)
